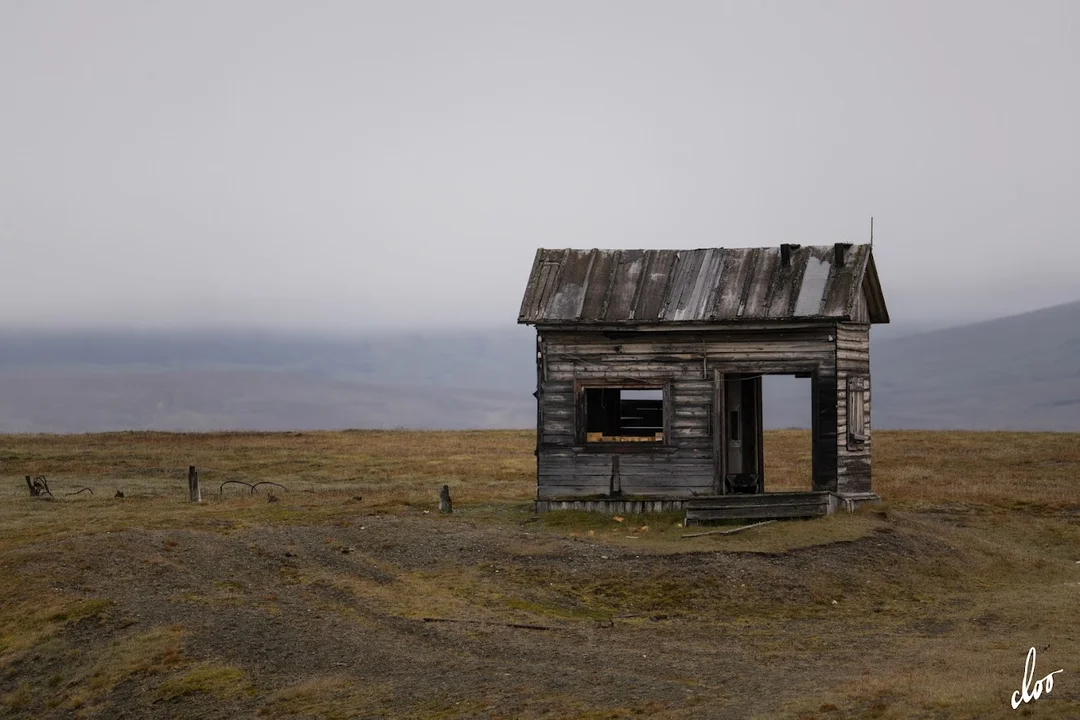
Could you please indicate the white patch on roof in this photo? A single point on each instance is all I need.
(813, 287)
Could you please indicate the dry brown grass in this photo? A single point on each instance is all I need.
(980, 561)
(391, 467)
(323, 471)
(395, 468)
(919, 468)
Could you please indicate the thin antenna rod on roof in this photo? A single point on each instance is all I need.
(871, 231)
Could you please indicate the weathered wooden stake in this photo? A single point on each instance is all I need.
(38, 487)
(194, 493)
(444, 500)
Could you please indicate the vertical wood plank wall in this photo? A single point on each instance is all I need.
(688, 359)
(852, 359)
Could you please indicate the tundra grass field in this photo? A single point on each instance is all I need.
(352, 596)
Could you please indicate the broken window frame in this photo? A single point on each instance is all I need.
(858, 435)
(581, 421)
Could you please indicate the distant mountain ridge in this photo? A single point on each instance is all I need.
(1016, 373)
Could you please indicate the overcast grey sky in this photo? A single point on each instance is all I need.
(366, 164)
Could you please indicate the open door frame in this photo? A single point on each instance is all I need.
(720, 427)
(719, 433)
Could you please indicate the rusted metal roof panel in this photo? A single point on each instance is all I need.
(710, 285)
(844, 285)
(768, 259)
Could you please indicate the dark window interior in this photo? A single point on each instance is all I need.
(615, 414)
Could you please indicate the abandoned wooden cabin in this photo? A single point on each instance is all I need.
(649, 375)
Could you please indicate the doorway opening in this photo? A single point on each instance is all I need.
(789, 419)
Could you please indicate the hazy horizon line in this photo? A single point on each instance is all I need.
(398, 329)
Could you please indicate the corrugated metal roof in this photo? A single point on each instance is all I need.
(619, 287)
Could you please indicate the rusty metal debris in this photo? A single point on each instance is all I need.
(253, 488)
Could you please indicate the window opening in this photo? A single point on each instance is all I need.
(856, 411)
(614, 414)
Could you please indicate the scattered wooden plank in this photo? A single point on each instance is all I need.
(732, 531)
(519, 626)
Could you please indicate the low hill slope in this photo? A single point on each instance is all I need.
(1015, 373)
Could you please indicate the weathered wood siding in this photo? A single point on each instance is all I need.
(852, 361)
(686, 360)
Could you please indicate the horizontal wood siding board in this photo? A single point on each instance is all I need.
(558, 412)
(577, 465)
(689, 405)
(693, 388)
(694, 444)
(689, 432)
(715, 326)
(556, 399)
(548, 491)
(692, 350)
(681, 492)
(669, 476)
(633, 449)
(600, 484)
(646, 486)
(685, 367)
(557, 426)
(855, 479)
(583, 336)
(629, 372)
(558, 387)
(566, 459)
(556, 441)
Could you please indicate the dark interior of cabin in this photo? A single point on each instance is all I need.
(614, 414)
(742, 454)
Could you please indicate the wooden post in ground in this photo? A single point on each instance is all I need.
(194, 493)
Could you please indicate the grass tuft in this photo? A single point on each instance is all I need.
(224, 682)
